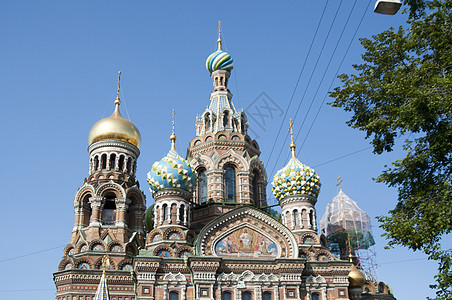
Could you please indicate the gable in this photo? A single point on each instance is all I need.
(246, 232)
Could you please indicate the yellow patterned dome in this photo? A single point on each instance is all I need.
(356, 277)
(115, 127)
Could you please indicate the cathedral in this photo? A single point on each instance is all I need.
(210, 233)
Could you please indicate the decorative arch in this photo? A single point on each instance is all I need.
(152, 235)
(80, 261)
(163, 251)
(111, 187)
(69, 249)
(94, 245)
(81, 247)
(115, 246)
(87, 189)
(184, 251)
(230, 157)
(310, 235)
(123, 263)
(213, 238)
(322, 254)
(171, 231)
(63, 265)
(202, 160)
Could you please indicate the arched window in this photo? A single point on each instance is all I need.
(129, 165)
(315, 296)
(109, 210)
(86, 210)
(246, 296)
(295, 218)
(165, 211)
(207, 122)
(226, 296)
(173, 296)
(202, 186)
(267, 296)
(229, 184)
(121, 162)
(225, 119)
(96, 163)
(103, 160)
(181, 213)
(311, 218)
(112, 161)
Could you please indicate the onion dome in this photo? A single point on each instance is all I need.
(295, 178)
(356, 278)
(219, 60)
(115, 127)
(172, 171)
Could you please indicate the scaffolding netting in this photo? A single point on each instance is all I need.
(342, 219)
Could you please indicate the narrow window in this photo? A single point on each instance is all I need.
(202, 186)
(295, 218)
(121, 163)
(246, 296)
(225, 119)
(129, 165)
(207, 122)
(165, 211)
(311, 218)
(109, 210)
(181, 213)
(96, 163)
(229, 184)
(112, 161)
(226, 296)
(315, 297)
(103, 160)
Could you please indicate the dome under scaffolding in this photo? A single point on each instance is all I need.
(343, 223)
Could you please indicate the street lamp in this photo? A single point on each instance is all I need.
(387, 7)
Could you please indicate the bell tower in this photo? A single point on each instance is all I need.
(225, 158)
(109, 208)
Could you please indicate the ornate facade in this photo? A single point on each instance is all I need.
(209, 234)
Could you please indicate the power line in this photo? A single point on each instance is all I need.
(29, 254)
(298, 81)
(335, 76)
(401, 261)
(324, 73)
(343, 156)
(309, 81)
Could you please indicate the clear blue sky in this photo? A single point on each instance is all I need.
(59, 62)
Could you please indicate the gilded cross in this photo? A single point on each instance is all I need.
(339, 182)
(119, 80)
(291, 130)
(173, 121)
(219, 30)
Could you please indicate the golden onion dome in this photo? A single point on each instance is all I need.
(356, 277)
(115, 127)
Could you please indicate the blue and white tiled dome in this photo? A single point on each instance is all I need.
(295, 179)
(171, 172)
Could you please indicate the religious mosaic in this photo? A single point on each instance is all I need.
(246, 242)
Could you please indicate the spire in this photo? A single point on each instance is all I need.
(117, 100)
(102, 289)
(292, 144)
(173, 136)
(219, 36)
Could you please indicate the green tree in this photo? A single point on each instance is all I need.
(403, 89)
